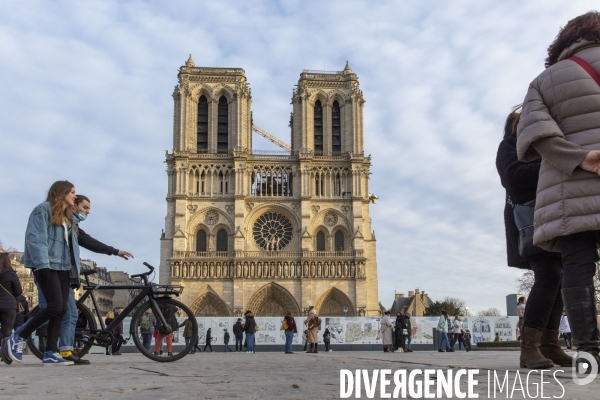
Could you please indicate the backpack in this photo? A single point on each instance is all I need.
(284, 325)
(145, 324)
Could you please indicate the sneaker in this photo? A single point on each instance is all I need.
(54, 359)
(13, 347)
(3, 356)
(170, 354)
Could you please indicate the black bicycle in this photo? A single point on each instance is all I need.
(155, 325)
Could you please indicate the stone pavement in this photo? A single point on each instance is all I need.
(258, 376)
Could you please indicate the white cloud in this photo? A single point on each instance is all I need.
(86, 95)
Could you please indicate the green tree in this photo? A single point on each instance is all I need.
(453, 305)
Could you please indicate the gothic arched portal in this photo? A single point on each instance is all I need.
(332, 303)
(273, 300)
(210, 304)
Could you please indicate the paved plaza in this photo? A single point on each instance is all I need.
(261, 376)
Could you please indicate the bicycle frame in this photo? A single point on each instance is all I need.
(146, 291)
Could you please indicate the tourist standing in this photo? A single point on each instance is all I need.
(407, 332)
(327, 340)
(238, 333)
(312, 322)
(250, 330)
(559, 124)
(565, 330)
(521, 303)
(457, 330)
(146, 330)
(9, 292)
(539, 316)
(208, 342)
(398, 338)
(226, 337)
(289, 331)
(51, 247)
(442, 327)
(386, 330)
(188, 334)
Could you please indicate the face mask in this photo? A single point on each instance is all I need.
(81, 216)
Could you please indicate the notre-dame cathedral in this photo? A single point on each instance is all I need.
(269, 231)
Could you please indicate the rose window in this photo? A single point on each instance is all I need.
(272, 231)
(211, 217)
(330, 219)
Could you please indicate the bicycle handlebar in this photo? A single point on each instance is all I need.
(145, 273)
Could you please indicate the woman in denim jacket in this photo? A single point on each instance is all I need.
(51, 248)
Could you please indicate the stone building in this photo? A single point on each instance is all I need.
(269, 231)
(122, 298)
(416, 302)
(25, 277)
(104, 297)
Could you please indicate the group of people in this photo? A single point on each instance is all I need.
(451, 332)
(52, 240)
(396, 336)
(550, 154)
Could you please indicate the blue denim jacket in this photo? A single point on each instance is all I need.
(45, 245)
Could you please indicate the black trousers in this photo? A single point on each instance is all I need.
(55, 288)
(208, 344)
(568, 339)
(544, 305)
(579, 255)
(7, 319)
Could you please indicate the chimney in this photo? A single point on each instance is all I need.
(411, 293)
(399, 295)
(417, 291)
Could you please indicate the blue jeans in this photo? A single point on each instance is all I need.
(250, 341)
(289, 338)
(69, 322)
(443, 339)
(408, 342)
(239, 341)
(147, 340)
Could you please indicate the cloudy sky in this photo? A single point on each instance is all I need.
(85, 95)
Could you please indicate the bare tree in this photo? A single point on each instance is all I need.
(490, 312)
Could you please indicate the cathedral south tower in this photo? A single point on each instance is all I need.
(269, 231)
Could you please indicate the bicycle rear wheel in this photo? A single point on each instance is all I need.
(86, 323)
(145, 327)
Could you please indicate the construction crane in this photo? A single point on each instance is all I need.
(272, 138)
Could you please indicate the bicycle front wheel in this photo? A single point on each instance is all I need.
(146, 330)
(86, 323)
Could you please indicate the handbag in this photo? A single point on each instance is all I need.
(20, 307)
(523, 215)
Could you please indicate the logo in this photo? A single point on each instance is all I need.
(590, 364)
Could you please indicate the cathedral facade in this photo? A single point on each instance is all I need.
(269, 231)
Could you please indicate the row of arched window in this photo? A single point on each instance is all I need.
(336, 128)
(202, 240)
(338, 241)
(222, 125)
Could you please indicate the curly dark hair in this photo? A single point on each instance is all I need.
(586, 26)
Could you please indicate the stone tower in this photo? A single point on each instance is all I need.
(269, 231)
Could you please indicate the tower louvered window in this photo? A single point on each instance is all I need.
(222, 240)
(339, 241)
(201, 240)
(222, 130)
(336, 129)
(202, 125)
(318, 127)
(320, 241)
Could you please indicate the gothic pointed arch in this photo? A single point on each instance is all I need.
(209, 304)
(332, 303)
(272, 300)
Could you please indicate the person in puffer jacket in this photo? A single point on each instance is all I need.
(560, 123)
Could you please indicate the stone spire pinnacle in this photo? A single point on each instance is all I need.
(190, 62)
(347, 69)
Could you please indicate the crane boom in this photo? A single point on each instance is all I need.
(272, 138)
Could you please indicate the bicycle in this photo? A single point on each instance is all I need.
(167, 314)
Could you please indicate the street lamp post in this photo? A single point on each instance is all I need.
(345, 311)
(467, 310)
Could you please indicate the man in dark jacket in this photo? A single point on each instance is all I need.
(208, 340)
(238, 332)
